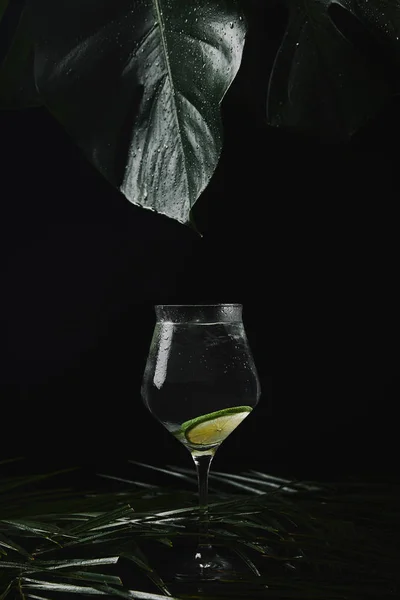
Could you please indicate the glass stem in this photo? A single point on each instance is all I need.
(203, 463)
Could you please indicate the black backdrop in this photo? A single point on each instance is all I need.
(302, 232)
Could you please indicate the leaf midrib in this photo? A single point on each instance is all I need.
(161, 22)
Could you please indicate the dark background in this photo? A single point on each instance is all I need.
(302, 232)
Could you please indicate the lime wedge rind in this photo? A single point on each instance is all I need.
(214, 415)
(196, 431)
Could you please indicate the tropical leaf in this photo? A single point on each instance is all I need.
(98, 521)
(17, 81)
(302, 541)
(85, 562)
(35, 528)
(6, 590)
(38, 584)
(123, 480)
(141, 560)
(138, 85)
(99, 590)
(321, 83)
(383, 19)
(94, 577)
(11, 545)
(3, 7)
(179, 473)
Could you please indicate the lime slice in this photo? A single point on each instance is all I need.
(214, 427)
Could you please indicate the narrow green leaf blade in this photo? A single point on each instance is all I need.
(5, 564)
(148, 596)
(38, 584)
(95, 577)
(170, 471)
(11, 545)
(84, 562)
(141, 560)
(122, 480)
(247, 560)
(93, 591)
(36, 527)
(103, 519)
(138, 560)
(5, 593)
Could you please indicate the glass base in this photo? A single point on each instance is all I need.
(190, 567)
(206, 564)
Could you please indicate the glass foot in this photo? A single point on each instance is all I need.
(206, 564)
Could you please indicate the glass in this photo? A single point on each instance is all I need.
(200, 382)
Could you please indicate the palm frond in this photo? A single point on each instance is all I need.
(295, 540)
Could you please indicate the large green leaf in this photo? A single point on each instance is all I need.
(138, 85)
(383, 17)
(17, 82)
(3, 7)
(321, 82)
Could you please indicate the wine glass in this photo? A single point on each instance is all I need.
(200, 382)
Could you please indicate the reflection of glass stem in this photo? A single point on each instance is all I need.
(203, 463)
